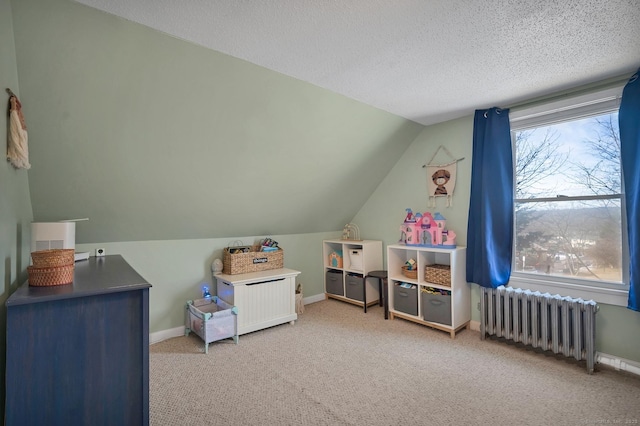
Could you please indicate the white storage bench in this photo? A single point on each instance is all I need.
(212, 319)
(264, 298)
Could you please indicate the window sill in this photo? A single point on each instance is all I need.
(609, 296)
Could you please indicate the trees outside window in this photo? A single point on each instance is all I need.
(568, 211)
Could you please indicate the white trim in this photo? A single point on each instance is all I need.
(570, 107)
(159, 336)
(609, 296)
(313, 299)
(617, 363)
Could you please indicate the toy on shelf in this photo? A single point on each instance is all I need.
(351, 232)
(426, 230)
(410, 269)
(410, 264)
(268, 244)
(335, 259)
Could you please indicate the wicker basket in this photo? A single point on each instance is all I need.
(438, 274)
(44, 277)
(253, 261)
(410, 273)
(53, 258)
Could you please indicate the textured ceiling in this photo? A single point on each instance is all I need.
(428, 61)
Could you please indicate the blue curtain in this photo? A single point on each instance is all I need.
(629, 121)
(490, 226)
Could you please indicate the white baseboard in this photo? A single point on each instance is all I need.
(313, 299)
(617, 363)
(159, 336)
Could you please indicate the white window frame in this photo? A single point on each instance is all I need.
(561, 109)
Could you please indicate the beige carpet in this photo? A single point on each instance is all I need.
(339, 366)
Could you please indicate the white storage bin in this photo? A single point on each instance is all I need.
(212, 319)
(355, 259)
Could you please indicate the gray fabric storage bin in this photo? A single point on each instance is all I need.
(436, 308)
(405, 299)
(333, 283)
(354, 285)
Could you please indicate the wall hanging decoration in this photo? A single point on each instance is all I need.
(17, 146)
(441, 178)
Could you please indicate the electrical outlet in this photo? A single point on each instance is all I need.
(478, 305)
(100, 252)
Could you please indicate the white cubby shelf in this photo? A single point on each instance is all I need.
(450, 314)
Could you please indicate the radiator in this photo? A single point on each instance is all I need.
(562, 325)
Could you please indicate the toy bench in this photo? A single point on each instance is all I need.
(212, 319)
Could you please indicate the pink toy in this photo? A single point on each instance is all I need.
(426, 230)
(410, 230)
(409, 217)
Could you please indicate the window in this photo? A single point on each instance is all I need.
(568, 205)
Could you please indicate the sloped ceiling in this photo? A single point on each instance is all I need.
(427, 61)
(209, 127)
(156, 138)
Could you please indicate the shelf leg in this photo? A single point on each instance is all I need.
(364, 293)
(385, 290)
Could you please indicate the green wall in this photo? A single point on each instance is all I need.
(406, 185)
(155, 138)
(618, 328)
(15, 204)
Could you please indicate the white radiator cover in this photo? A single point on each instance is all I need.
(263, 299)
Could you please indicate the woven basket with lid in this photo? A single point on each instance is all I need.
(50, 276)
(51, 267)
(52, 258)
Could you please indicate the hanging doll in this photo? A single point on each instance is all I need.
(17, 142)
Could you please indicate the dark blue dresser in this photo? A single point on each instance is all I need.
(78, 354)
